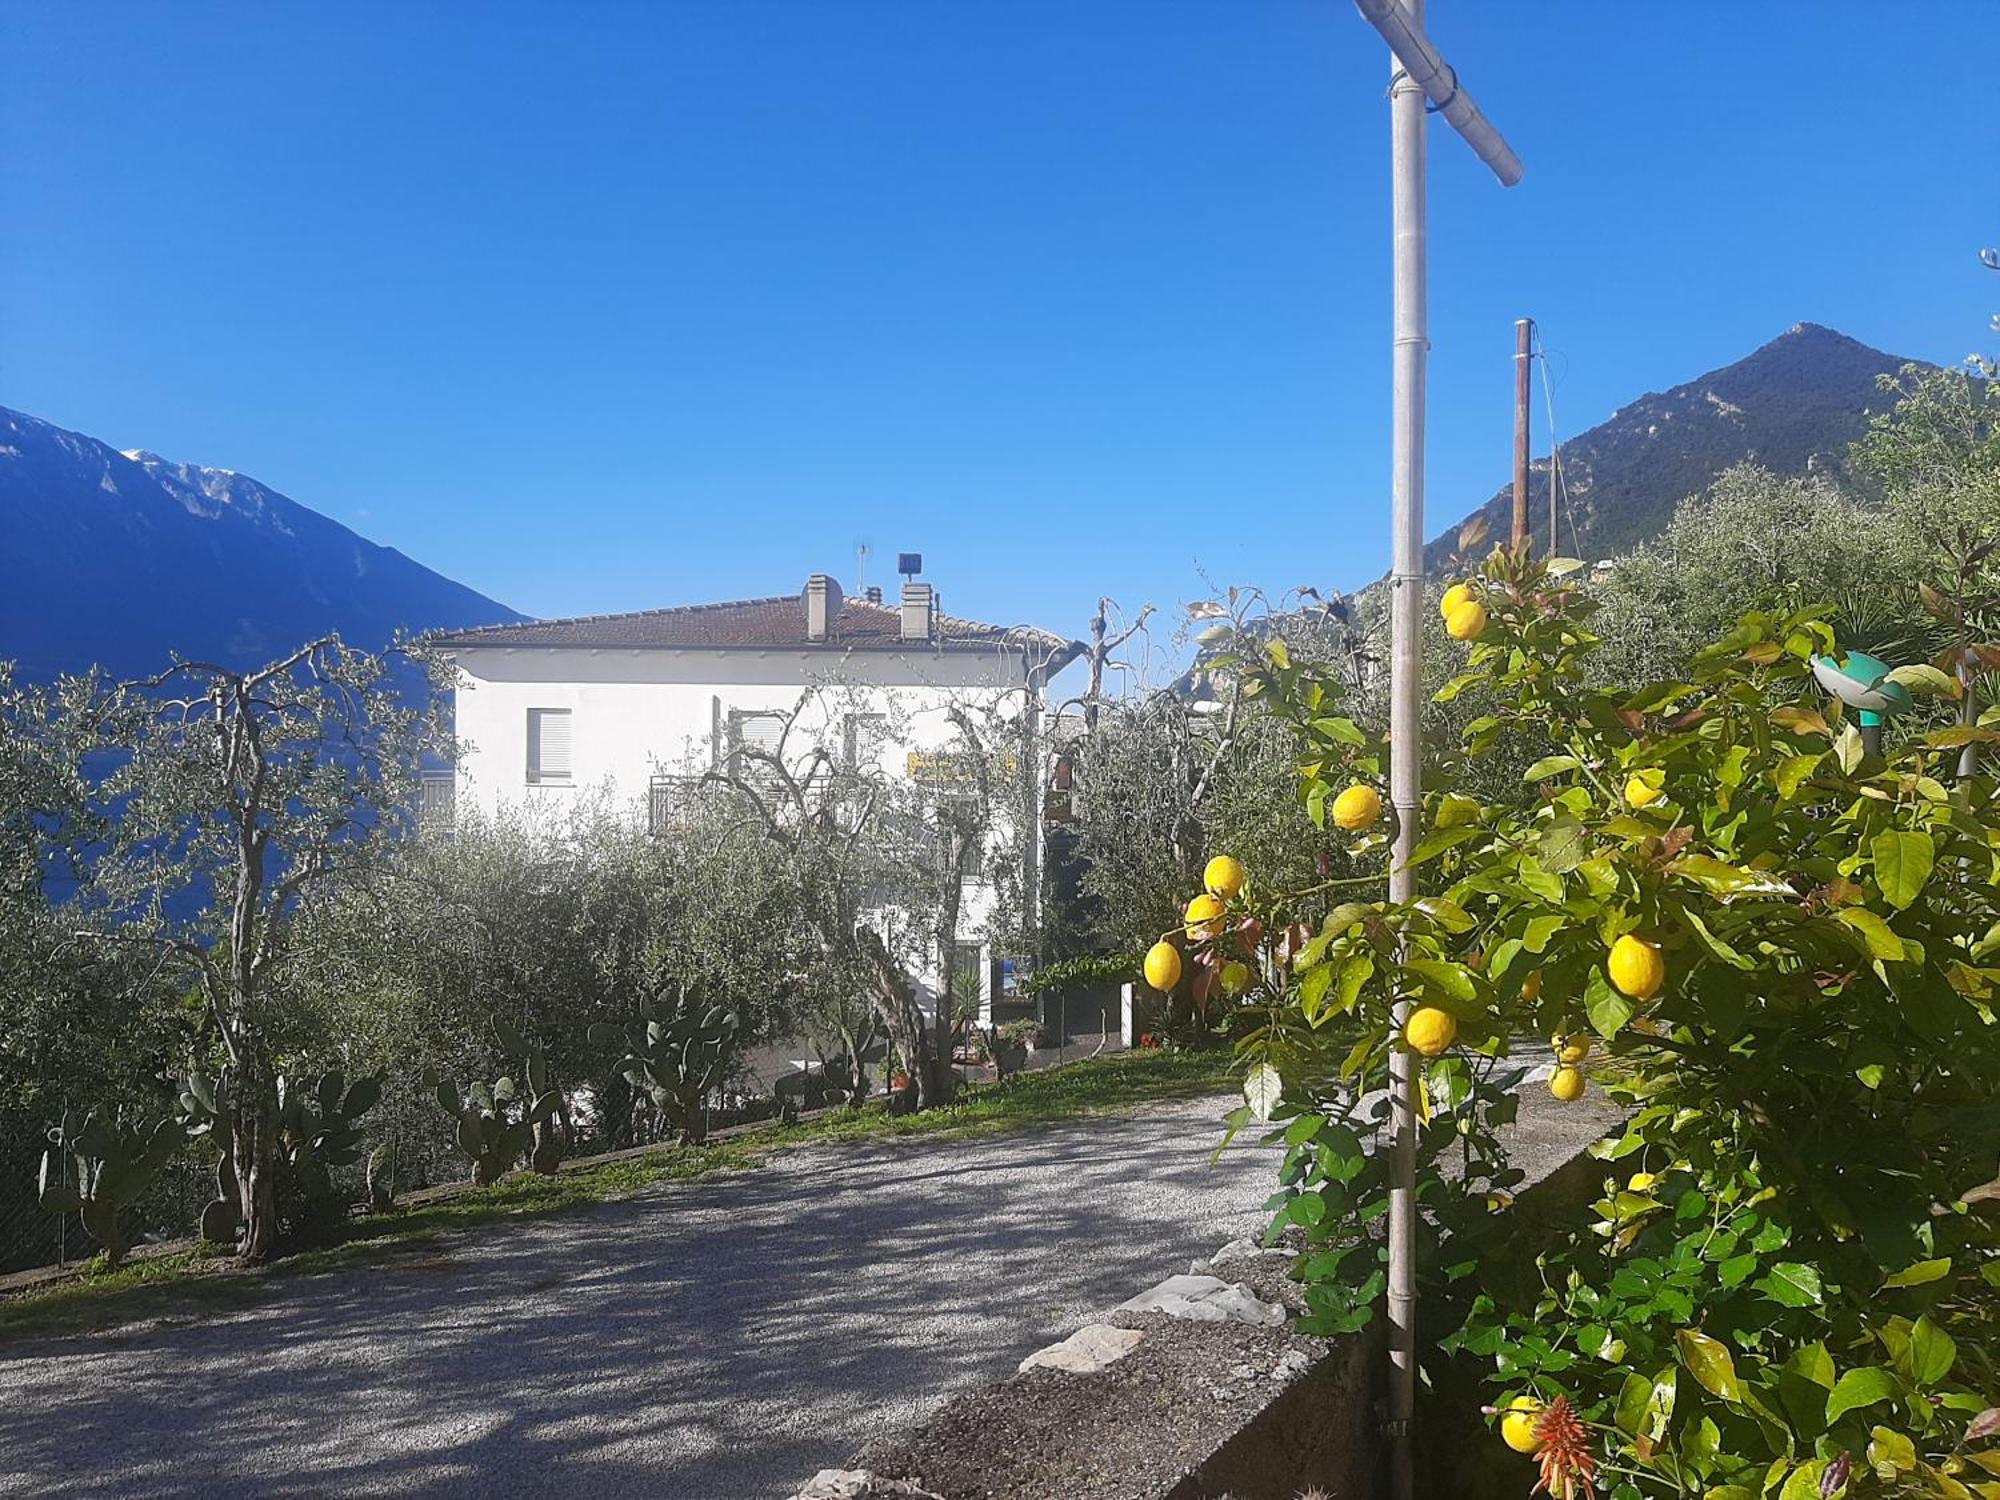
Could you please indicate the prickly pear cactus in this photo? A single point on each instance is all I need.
(501, 1122)
(678, 1050)
(319, 1129)
(545, 1151)
(115, 1163)
(203, 1109)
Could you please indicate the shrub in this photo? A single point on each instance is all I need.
(1788, 1285)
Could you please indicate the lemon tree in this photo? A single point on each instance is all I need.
(1780, 952)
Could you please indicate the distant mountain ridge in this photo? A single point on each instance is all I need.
(123, 559)
(1793, 405)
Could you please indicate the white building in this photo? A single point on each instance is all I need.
(637, 703)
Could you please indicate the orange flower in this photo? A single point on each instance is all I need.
(1568, 1470)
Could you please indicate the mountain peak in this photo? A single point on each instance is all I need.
(1793, 404)
(127, 557)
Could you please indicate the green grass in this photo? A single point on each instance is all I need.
(188, 1284)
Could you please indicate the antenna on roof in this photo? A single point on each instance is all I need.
(909, 564)
(861, 569)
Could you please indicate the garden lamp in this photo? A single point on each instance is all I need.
(1862, 682)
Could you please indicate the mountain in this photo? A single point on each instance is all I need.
(1793, 405)
(122, 559)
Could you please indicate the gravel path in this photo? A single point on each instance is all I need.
(714, 1340)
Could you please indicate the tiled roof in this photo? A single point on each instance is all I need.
(776, 622)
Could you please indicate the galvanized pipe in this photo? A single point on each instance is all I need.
(1402, 27)
(1418, 74)
(1406, 644)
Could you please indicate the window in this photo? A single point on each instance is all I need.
(435, 802)
(867, 734)
(548, 744)
(754, 729)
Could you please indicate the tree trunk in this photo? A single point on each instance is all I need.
(694, 1119)
(254, 1144)
(895, 1002)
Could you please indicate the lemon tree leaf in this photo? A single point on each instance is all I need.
(1890, 1453)
(1801, 720)
(1262, 1090)
(1563, 846)
(1710, 1362)
(1922, 677)
(1879, 935)
(1932, 1352)
(1791, 771)
(1446, 913)
(1608, 1010)
(1792, 1283)
(1551, 765)
(1903, 860)
(1921, 1272)
(1448, 979)
(1859, 1388)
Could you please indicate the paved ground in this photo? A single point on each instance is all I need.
(702, 1341)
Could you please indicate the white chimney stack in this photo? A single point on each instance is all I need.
(822, 606)
(919, 610)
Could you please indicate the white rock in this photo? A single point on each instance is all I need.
(860, 1484)
(1206, 1299)
(1087, 1350)
(1294, 1364)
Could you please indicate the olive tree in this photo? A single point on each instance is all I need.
(224, 802)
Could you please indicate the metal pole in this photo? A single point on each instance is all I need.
(1523, 338)
(1402, 27)
(1412, 343)
(1420, 74)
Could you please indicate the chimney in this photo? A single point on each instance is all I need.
(919, 611)
(822, 597)
(873, 593)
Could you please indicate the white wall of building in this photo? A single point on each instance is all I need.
(638, 713)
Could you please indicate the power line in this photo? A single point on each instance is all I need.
(1558, 486)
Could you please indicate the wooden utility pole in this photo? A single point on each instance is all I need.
(1524, 335)
(1418, 73)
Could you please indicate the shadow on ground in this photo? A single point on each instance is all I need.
(712, 1340)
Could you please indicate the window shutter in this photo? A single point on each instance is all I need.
(548, 744)
(760, 732)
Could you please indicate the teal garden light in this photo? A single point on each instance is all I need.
(1862, 682)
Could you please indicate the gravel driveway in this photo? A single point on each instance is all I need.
(714, 1340)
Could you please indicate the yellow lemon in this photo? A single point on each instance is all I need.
(1499, 1202)
(1357, 808)
(1457, 594)
(1517, 1426)
(1201, 916)
(1570, 1049)
(1235, 978)
(1163, 966)
(1566, 1083)
(1641, 1182)
(1531, 987)
(1636, 968)
(1430, 1030)
(1466, 620)
(1641, 791)
(1224, 877)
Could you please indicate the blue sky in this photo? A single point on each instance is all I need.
(599, 306)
